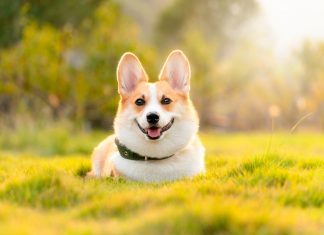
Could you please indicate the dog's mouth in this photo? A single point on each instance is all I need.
(155, 132)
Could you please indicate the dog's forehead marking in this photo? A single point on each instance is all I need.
(153, 91)
(153, 105)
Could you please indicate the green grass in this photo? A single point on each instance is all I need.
(252, 186)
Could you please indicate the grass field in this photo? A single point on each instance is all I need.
(255, 184)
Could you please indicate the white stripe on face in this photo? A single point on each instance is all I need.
(154, 106)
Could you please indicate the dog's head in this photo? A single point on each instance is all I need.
(155, 119)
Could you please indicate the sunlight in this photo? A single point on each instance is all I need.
(293, 21)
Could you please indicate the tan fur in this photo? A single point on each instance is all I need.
(141, 91)
(101, 156)
(164, 89)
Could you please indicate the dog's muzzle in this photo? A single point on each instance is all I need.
(154, 132)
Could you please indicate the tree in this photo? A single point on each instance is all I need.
(207, 30)
(58, 13)
(69, 72)
(219, 20)
(310, 76)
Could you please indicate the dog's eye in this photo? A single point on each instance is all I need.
(166, 101)
(140, 102)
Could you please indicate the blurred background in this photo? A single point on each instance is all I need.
(256, 64)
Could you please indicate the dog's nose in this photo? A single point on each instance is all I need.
(152, 118)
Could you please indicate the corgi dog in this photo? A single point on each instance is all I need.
(155, 127)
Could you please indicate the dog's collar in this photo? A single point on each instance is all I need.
(130, 155)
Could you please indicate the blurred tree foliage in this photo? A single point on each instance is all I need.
(310, 77)
(208, 31)
(69, 72)
(58, 61)
(218, 21)
(13, 15)
(236, 80)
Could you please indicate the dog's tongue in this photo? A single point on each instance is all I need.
(154, 132)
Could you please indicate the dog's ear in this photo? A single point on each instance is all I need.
(130, 73)
(176, 71)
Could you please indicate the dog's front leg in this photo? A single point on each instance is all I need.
(101, 164)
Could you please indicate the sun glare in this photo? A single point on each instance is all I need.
(292, 21)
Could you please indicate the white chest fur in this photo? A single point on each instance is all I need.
(185, 163)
